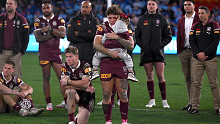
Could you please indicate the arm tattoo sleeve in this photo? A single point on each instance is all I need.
(125, 43)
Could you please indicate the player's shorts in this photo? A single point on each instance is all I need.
(110, 68)
(81, 103)
(48, 56)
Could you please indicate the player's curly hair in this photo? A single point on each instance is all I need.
(113, 9)
(72, 49)
(46, 1)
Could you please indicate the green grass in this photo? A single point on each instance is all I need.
(138, 113)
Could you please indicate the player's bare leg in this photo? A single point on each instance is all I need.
(57, 69)
(122, 87)
(46, 85)
(83, 115)
(2, 104)
(72, 99)
(159, 68)
(107, 93)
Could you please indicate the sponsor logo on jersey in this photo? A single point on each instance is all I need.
(88, 70)
(190, 33)
(129, 31)
(36, 24)
(44, 62)
(100, 29)
(26, 26)
(69, 25)
(63, 69)
(216, 32)
(62, 21)
(1, 80)
(106, 75)
(19, 80)
(54, 23)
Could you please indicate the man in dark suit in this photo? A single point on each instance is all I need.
(183, 47)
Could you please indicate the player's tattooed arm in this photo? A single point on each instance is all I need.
(5, 90)
(40, 37)
(127, 44)
(26, 89)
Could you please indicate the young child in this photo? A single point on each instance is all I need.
(119, 28)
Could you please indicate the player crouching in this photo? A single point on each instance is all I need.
(21, 101)
(75, 78)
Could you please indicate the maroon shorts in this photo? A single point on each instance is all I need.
(81, 103)
(110, 68)
(48, 56)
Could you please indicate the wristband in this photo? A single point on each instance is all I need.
(68, 82)
(50, 30)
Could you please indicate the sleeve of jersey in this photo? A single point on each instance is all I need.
(37, 25)
(100, 31)
(61, 22)
(87, 70)
(64, 72)
(1, 81)
(213, 46)
(19, 82)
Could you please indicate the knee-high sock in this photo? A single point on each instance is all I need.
(124, 110)
(107, 108)
(163, 90)
(150, 87)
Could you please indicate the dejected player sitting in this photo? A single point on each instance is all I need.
(26, 106)
(75, 78)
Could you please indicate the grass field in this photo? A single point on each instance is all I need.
(138, 113)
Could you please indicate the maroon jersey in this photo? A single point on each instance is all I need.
(110, 44)
(54, 22)
(82, 70)
(14, 81)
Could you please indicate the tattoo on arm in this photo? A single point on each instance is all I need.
(124, 84)
(125, 43)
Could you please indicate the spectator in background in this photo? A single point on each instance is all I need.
(100, 16)
(98, 6)
(137, 11)
(134, 20)
(128, 9)
(77, 6)
(13, 41)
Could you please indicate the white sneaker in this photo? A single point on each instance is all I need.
(71, 122)
(100, 103)
(36, 111)
(61, 105)
(49, 107)
(151, 103)
(108, 123)
(132, 77)
(95, 74)
(24, 112)
(118, 102)
(165, 104)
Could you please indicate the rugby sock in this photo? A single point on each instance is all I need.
(163, 90)
(48, 100)
(124, 110)
(65, 98)
(150, 87)
(113, 94)
(107, 108)
(32, 104)
(17, 107)
(71, 117)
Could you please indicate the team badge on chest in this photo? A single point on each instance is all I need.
(54, 23)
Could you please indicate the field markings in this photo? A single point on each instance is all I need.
(134, 109)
